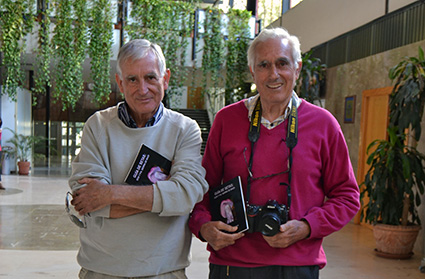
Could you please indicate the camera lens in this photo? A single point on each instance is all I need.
(269, 224)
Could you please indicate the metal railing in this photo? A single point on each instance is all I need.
(396, 29)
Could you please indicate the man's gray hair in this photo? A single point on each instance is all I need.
(137, 49)
(274, 33)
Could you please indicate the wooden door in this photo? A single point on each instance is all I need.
(373, 125)
(195, 98)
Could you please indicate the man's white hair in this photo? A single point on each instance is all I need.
(273, 33)
(137, 49)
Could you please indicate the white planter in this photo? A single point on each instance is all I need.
(5, 166)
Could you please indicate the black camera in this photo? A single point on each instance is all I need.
(267, 218)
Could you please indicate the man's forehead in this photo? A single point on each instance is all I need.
(147, 57)
(275, 48)
(141, 66)
(283, 41)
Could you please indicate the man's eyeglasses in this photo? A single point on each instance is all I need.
(77, 221)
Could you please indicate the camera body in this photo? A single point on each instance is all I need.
(267, 218)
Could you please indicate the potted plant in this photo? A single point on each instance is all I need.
(22, 148)
(395, 180)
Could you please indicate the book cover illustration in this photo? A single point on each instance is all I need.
(148, 167)
(227, 204)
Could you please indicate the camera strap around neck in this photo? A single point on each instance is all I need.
(291, 142)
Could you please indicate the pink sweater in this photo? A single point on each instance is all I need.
(324, 188)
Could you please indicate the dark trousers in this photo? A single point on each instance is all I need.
(264, 272)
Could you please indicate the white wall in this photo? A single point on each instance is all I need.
(317, 21)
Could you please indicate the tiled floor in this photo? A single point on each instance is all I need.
(37, 240)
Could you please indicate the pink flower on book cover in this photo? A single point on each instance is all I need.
(157, 174)
(226, 209)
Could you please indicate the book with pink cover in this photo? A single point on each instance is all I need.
(227, 204)
(148, 168)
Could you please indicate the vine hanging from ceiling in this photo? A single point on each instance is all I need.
(17, 21)
(74, 30)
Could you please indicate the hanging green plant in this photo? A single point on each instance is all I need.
(178, 44)
(170, 23)
(80, 44)
(135, 28)
(44, 53)
(268, 11)
(100, 49)
(16, 22)
(68, 67)
(213, 57)
(236, 61)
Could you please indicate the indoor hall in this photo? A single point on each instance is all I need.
(38, 241)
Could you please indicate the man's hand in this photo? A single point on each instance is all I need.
(290, 232)
(94, 196)
(215, 233)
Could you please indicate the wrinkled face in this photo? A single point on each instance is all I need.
(142, 85)
(274, 72)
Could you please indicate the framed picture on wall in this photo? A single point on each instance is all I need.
(350, 109)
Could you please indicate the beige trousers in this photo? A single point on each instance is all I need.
(87, 274)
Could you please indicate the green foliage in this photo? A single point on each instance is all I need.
(80, 44)
(44, 53)
(151, 20)
(16, 22)
(395, 180)
(408, 95)
(22, 145)
(308, 83)
(169, 24)
(268, 11)
(213, 56)
(64, 53)
(100, 49)
(224, 59)
(396, 172)
(70, 43)
(68, 46)
(178, 42)
(236, 60)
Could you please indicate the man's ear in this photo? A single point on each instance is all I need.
(300, 66)
(251, 71)
(166, 78)
(119, 82)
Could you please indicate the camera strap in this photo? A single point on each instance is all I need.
(291, 142)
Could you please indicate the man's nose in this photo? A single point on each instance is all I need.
(144, 87)
(274, 71)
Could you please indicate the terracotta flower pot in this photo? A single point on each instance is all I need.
(24, 168)
(395, 241)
